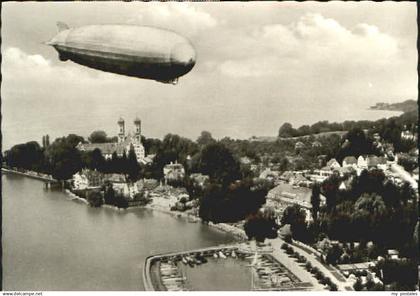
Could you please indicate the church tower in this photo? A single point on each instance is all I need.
(137, 135)
(121, 130)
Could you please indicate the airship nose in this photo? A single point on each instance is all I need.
(183, 54)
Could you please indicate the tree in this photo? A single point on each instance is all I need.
(333, 254)
(287, 131)
(94, 160)
(65, 161)
(260, 226)
(296, 217)
(71, 140)
(133, 167)
(205, 139)
(403, 272)
(358, 286)
(315, 200)
(356, 143)
(95, 199)
(330, 190)
(218, 163)
(221, 203)
(109, 194)
(173, 148)
(26, 156)
(98, 137)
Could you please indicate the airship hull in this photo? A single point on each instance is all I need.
(142, 52)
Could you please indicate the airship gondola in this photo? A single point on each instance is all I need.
(138, 51)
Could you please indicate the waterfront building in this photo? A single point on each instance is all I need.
(87, 179)
(173, 172)
(115, 178)
(124, 144)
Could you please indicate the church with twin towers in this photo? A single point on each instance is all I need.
(126, 141)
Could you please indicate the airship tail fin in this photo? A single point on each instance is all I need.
(62, 26)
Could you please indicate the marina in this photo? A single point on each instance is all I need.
(173, 271)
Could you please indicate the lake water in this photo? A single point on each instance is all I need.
(53, 243)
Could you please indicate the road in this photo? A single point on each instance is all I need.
(301, 272)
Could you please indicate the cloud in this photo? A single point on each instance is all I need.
(21, 68)
(310, 43)
(181, 17)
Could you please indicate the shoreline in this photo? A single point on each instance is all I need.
(237, 233)
(30, 174)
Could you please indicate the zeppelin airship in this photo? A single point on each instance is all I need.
(138, 51)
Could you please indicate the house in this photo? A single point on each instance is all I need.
(173, 172)
(199, 179)
(361, 162)
(245, 160)
(130, 190)
(321, 175)
(300, 180)
(150, 184)
(382, 163)
(345, 170)
(350, 161)
(87, 179)
(299, 145)
(333, 163)
(372, 161)
(269, 174)
(316, 144)
(342, 186)
(287, 176)
(114, 178)
(149, 159)
(393, 254)
(407, 135)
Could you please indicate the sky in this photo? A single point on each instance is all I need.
(259, 64)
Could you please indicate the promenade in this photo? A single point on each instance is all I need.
(300, 271)
(31, 174)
